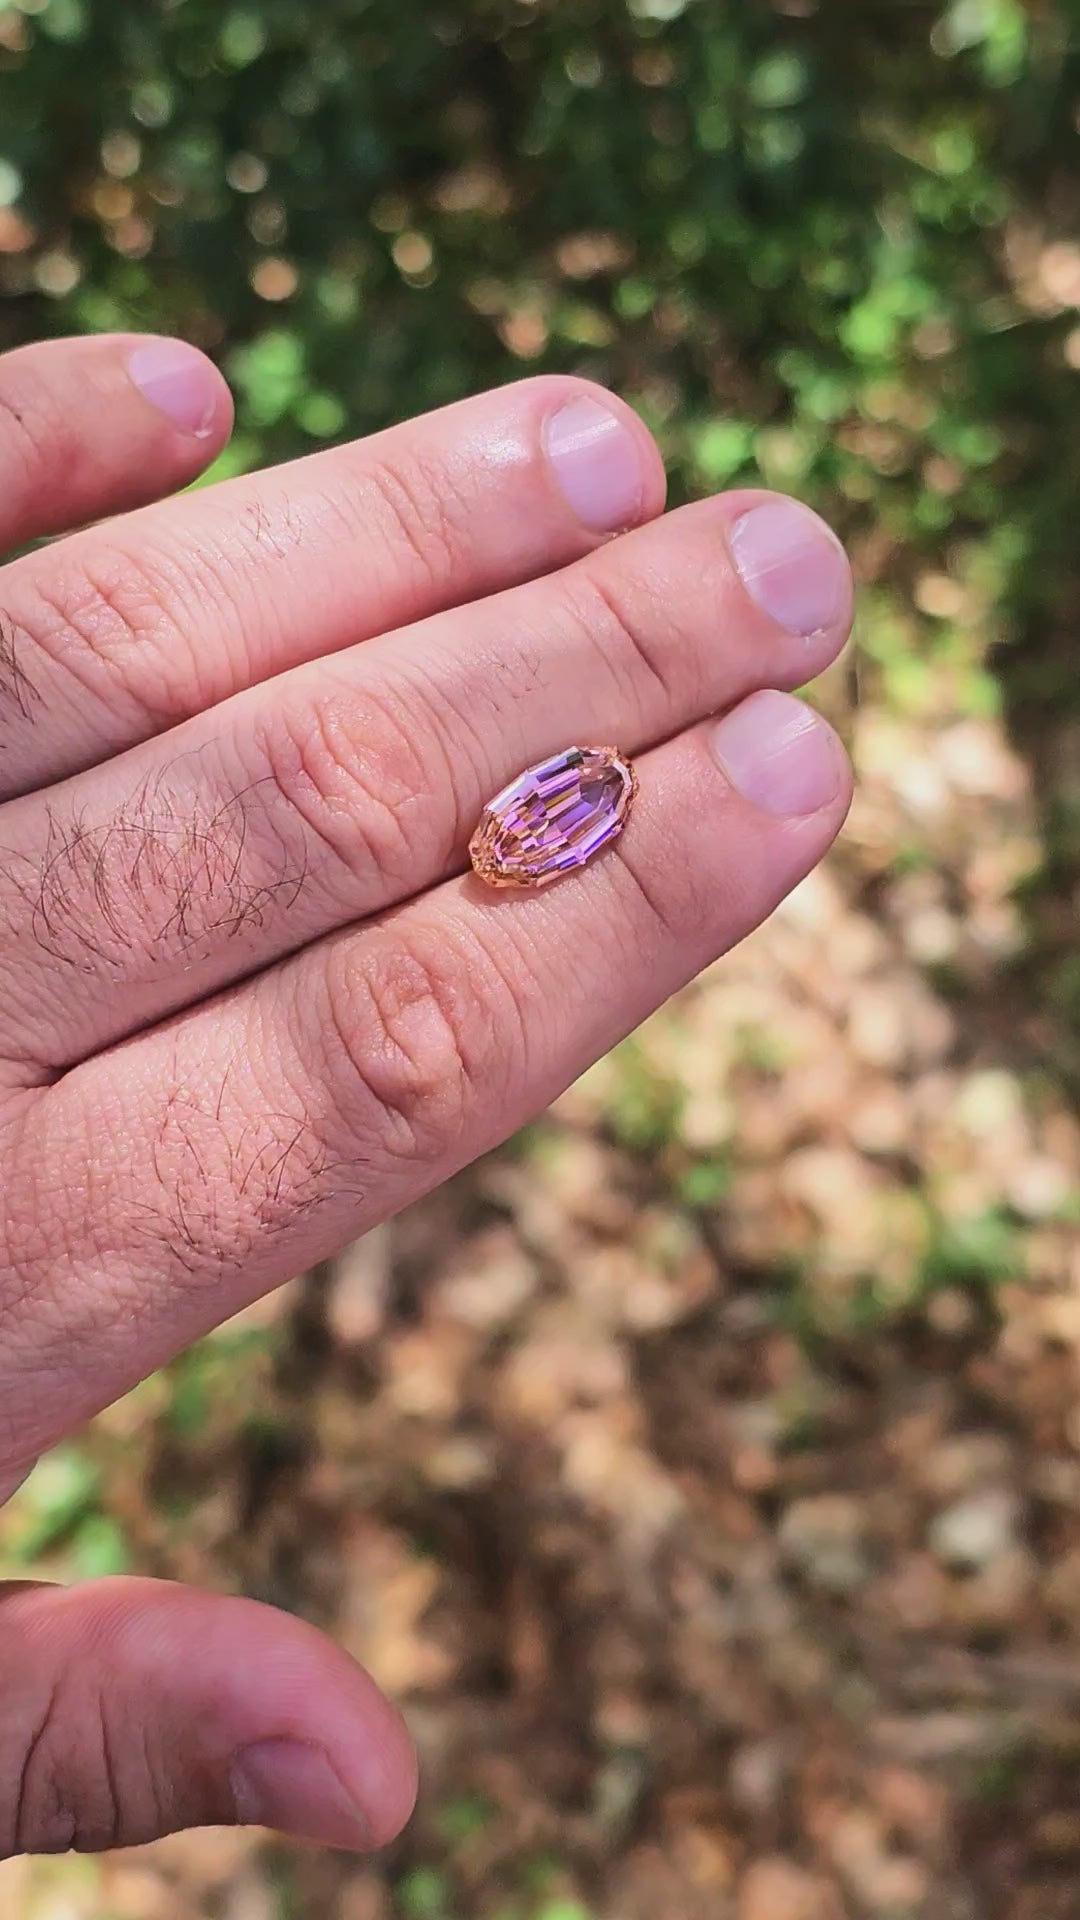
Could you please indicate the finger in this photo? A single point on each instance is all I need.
(337, 790)
(133, 1709)
(126, 629)
(93, 427)
(233, 1147)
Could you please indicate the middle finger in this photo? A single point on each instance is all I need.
(348, 785)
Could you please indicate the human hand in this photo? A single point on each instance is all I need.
(251, 1002)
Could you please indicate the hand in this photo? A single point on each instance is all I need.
(250, 1001)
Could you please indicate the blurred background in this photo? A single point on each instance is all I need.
(702, 1472)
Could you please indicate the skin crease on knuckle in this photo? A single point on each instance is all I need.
(109, 626)
(91, 618)
(352, 779)
(426, 515)
(413, 1027)
(80, 1780)
(60, 1797)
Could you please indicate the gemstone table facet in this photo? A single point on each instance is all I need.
(553, 817)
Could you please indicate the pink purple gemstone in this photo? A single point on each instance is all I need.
(553, 817)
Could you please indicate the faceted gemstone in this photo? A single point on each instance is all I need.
(553, 817)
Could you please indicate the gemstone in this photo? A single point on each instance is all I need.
(553, 817)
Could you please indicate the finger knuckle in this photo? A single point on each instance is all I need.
(100, 618)
(628, 620)
(357, 778)
(653, 621)
(61, 1758)
(668, 910)
(427, 508)
(37, 1815)
(413, 1029)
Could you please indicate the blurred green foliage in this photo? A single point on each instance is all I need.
(426, 1894)
(778, 227)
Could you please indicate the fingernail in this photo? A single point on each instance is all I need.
(597, 463)
(179, 381)
(779, 754)
(292, 1788)
(793, 565)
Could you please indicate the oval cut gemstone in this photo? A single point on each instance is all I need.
(553, 817)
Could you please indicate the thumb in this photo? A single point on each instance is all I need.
(133, 1708)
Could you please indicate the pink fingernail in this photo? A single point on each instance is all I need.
(597, 463)
(793, 565)
(292, 1788)
(779, 754)
(179, 381)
